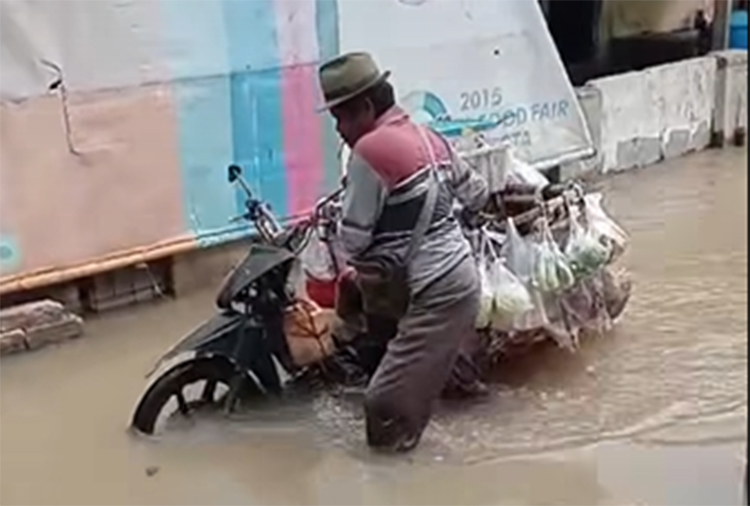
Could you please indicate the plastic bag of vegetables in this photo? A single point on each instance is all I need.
(486, 300)
(484, 257)
(552, 273)
(504, 297)
(586, 254)
(608, 231)
(510, 299)
(518, 254)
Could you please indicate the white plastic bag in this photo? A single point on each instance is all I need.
(608, 231)
(503, 296)
(586, 254)
(319, 259)
(511, 299)
(516, 171)
(486, 301)
(551, 273)
(517, 253)
(478, 240)
(519, 259)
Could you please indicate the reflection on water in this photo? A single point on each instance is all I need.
(667, 386)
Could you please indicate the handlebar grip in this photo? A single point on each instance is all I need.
(233, 172)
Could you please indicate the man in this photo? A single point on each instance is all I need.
(391, 184)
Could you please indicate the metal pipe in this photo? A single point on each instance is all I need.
(720, 24)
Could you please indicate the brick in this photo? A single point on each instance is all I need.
(31, 314)
(69, 327)
(13, 341)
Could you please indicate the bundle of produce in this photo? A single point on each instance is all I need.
(552, 273)
(518, 253)
(584, 251)
(504, 295)
(603, 226)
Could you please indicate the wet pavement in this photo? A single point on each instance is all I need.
(654, 413)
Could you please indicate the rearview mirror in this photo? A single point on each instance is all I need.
(233, 172)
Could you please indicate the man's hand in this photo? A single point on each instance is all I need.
(469, 219)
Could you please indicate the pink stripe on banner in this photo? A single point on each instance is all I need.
(303, 135)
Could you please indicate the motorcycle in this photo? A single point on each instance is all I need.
(240, 353)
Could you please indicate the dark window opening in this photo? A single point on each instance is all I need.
(575, 25)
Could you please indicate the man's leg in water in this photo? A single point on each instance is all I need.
(419, 360)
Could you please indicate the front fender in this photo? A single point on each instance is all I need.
(219, 331)
(231, 336)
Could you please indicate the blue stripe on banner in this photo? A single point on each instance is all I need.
(224, 58)
(257, 123)
(196, 54)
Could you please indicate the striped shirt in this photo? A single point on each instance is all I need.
(387, 182)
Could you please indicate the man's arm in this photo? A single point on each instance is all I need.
(362, 204)
(468, 186)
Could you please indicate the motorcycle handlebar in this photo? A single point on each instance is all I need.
(265, 221)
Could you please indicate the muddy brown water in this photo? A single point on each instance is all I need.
(654, 413)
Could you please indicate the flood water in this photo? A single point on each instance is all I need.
(654, 413)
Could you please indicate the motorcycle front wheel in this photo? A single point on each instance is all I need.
(212, 377)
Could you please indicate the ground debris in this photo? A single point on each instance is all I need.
(36, 324)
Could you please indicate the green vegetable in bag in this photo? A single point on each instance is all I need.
(552, 273)
(584, 252)
(503, 297)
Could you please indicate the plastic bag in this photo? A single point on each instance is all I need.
(511, 299)
(484, 316)
(503, 295)
(484, 260)
(519, 260)
(517, 172)
(551, 273)
(608, 231)
(517, 253)
(319, 260)
(589, 305)
(586, 254)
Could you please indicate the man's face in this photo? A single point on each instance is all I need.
(353, 120)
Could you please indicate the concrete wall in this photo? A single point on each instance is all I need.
(640, 118)
(658, 113)
(730, 105)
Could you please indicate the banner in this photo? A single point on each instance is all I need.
(119, 118)
(475, 59)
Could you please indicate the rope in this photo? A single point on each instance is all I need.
(310, 332)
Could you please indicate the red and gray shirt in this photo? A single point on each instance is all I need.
(387, 182)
